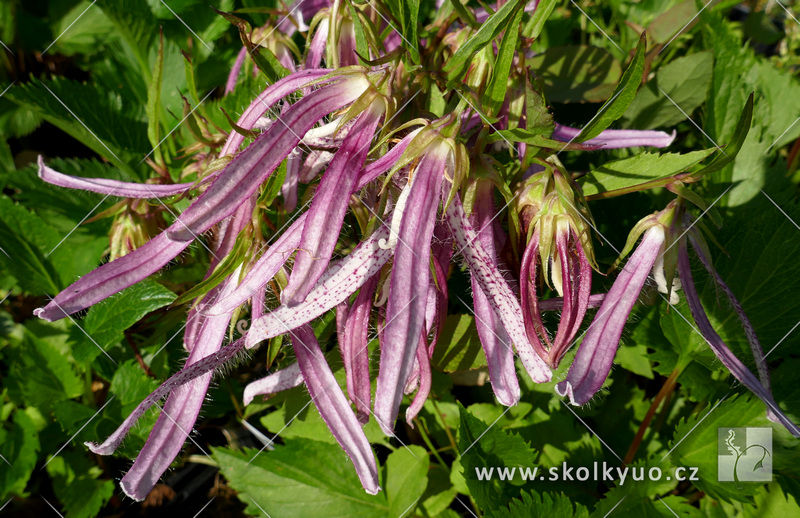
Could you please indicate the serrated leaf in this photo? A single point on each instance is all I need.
(639, 171)
(622, 97)
(77, 486)
(700, 444)
(98, 118)
(299, 479)
(459, 347)
(483, 446)
(107, 321)
(533, 505)
(39, 375)
(25, 239)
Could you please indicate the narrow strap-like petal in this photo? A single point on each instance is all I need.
(494, 339)
(355, 351)
(408, 293)
(596, 353)
(316, 48)
(333, 407)
(749, 330)
(725, 355)
(340, 281)
(425, 379)
(327, 212)
(180, 412)
(496, 289)
(577, 283)
(183, 376)
(110, 187)
(264, 268)
(112, 277)
(614, 139)
(284, 379)
(265, 101)
(531, 315)
(233, 76)
(248, 170)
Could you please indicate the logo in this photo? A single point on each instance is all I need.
(744, 455)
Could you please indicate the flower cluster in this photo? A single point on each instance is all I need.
(417, 155)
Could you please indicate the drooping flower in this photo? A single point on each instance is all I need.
(663, 247)
(229, 190)
(559, 251)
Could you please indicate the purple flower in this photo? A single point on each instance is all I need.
(560, 245)
(614, 139)
(595, 356)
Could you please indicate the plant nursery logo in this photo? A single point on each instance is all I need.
(744, 455)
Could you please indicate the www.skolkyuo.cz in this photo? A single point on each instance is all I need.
(598, 471)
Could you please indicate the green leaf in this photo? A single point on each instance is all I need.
(577, 73)
(496, 91)
(623, 95)
(685, 81)
(535, 25)
(702, 442)
(459, 347)
(406, 479)
(82, 30)
(99, 118)
(488, 31)
(410, 21)
(626, 174)
(154, 99)
(301, 478)
(485, 446)
(107, 321)
(134, 21)
(533, 505)
(77, 485)
(39, 374)
(25, 239)
(19, 446)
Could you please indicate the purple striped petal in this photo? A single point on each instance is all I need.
(179, 414)
(340, 281)
(238, 182)
(599, 346)
(355, 352)
(243, 175)
(279, 381)
(327, 212)
(112, 277)
(577, 283)
(264, 269)
(496, 289)
(725, 355)
(110, 187)
(316, 49)
(183, 376)
(333, 407)
(408, 293)
(265, 101)
(615, 139)
(749, 330)
(494, 339)
(425, 379)
(233, 76)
